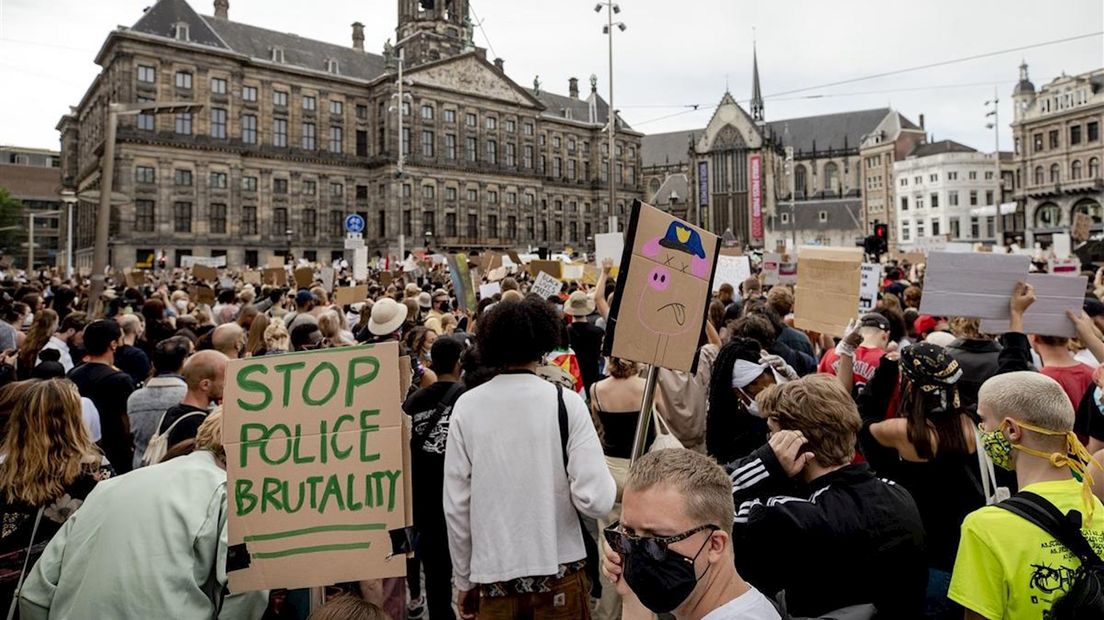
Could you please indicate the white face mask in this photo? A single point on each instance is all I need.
(753, 409)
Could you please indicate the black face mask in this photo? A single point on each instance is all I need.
(662, 585)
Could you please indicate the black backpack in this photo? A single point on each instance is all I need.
(1084, 600)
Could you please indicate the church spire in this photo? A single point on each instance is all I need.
(756, 92)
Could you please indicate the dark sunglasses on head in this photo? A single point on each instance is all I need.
(654, 547)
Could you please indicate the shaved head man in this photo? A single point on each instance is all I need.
(228, 339)
(204, 373)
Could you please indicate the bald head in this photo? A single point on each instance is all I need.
(130, 324)
(227, 339)
(204, 373)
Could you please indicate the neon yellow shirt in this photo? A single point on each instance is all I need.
(1010, 569)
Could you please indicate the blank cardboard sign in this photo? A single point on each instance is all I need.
(1054, 294)
(972, 285)
(827, 291)
(315, 468)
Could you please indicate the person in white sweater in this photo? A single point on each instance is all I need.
(510, 504)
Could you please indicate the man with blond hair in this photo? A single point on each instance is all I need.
(1007, 567)
(672, 549)
(120, 541)
(840, 515)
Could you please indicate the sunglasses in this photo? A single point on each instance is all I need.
(654, 547)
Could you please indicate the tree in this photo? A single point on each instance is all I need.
(12, 232)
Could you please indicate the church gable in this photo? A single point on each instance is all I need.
(730, 127)
(469, 75)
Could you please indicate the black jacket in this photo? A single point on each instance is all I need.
(978, 359)
(846, 538)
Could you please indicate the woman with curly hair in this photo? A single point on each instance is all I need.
(42, 329)
(733, 427)
(49, 466)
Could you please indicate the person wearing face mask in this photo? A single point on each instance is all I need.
(803, 505)
(733, 426)
(672, 548)
(439, 305)
(1007, 567)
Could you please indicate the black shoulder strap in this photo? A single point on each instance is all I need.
(1066, 529)
(562, 422)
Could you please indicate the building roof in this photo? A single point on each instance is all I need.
(661, 149)
(830, 131)
(579, 108)
(30, 182)
(675, 190)
(162, 17)
(842, 215)
(939, 148)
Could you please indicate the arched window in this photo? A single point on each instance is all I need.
(1048, 216)
(1094, 168)
(653, 187)
(1055, 173)
(1075, 170)
(1038, 178)
(1090, 206)
(831, 177)
(799, 179)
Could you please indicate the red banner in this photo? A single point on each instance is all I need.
(755, 166)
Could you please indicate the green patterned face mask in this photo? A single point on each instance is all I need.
(997, 447)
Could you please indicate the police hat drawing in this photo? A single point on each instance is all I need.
(680, 237)
(354, 223)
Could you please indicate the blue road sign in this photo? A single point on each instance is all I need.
(354, 223)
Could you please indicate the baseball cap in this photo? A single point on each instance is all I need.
(873, 319)
(304, 296)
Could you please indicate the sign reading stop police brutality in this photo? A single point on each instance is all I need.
(315, 467)
(658, 313)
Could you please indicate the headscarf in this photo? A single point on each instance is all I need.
(744, 372)
(933, 370)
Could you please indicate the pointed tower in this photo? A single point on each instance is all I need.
(430, 30)
(1023, 96)
(756, 92)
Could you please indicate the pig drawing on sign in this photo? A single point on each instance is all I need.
(680, 251)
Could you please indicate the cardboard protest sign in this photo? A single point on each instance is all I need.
(385, 278)
(304, 277)
(870, 275)
(326, 275)
(275, 262)
(251, 277)
(546, 286)
(611, 246)
(487, 291)
(499, 273)
(732, 251)
(1082, 225)
(204, 273)
(1061, 245)
(827, 292)
(731, 270)
(1065, 266)
(346, 295)
(461, 281)
(572, 272)
(1054, 294)
(135, 279)
(972, 285)
(553, 268)
(275, 276)
(203, 294)
(514, 258)
(489, 261)
(315, 471)
(658, 313)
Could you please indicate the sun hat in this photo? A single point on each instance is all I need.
(425, 302)
(387, 316)
(579, 304)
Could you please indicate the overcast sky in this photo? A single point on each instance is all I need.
(673, 54)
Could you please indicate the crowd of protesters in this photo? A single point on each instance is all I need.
(791, 474)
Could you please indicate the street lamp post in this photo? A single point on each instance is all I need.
(612, 8)
(998, 225)
(107, 177)
(69, 197)
(401, 160)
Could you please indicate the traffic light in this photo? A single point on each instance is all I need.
(881, 234)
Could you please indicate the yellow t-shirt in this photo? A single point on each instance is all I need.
(1008, 568)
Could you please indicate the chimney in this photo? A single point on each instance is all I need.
(573, 87)
(500, 64)
(921, 121)
(358, 36)
(222, 9)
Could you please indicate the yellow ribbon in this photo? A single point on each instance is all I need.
(1077, 458)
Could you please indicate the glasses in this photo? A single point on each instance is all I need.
(654, 547)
